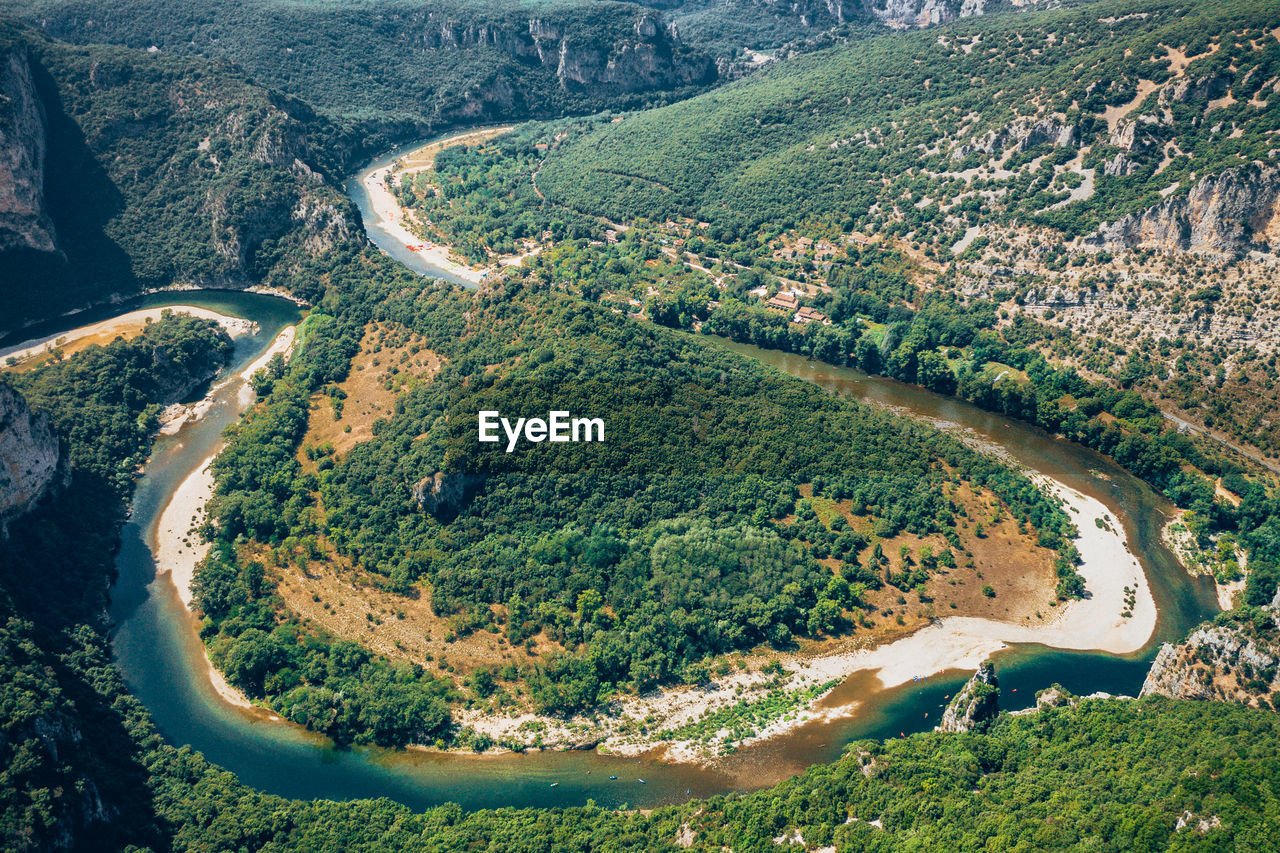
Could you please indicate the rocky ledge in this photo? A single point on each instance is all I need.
(1230, 214)
(1235, 658)
(32, 459)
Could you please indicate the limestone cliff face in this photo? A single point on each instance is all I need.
(444, 494)
(646, 59)
(900, 14)
(976, 705)
(310, 213)
(32, 459)
(1235, 661)
(24, 223)
(1227, 214)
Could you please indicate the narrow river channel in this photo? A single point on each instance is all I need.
(157, 647)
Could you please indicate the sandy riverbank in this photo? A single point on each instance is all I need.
(126, 325)
(177, 549)
(391, 219)
(952, 643)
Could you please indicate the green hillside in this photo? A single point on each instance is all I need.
(410, 65)
(161, 170)
(989, 119)
(634, 562)
(732, 511)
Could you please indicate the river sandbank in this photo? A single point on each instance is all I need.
(1113, 578)
(393, 220)
(126, 325)
(178, 549)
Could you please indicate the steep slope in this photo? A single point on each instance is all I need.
(132, 170)
(32, 462)
(73, 755)
(983, 121)
(24, 222)
(395, 62)
(1236, 658)
(1111, 175)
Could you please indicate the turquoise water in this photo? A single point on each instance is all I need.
(157, 648)
(163, 661)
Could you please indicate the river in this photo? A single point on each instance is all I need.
(162, 659)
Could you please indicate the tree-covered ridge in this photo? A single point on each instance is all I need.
(1107, 775)
(105, 400)
(986, 120)
(672, 541)
(163, 170)
(412, 66)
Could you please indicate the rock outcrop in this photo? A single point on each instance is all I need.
(904, 14)
(1233, 659)
(24, 223)
(1020, 136)
(976, 705)
(443, 494)
(33, 461)
(1231, 213)
(647, 59)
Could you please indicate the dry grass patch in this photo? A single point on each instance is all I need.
(391, 361)
(339, 599)
(994, 553)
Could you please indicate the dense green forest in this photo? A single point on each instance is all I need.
(1106, 775)
(893, 135)
(105, 400)
(670, 542)
(883, 324)
(411, 66)
(694, 275)
(163, 170)
(73, 742)
(684, 535)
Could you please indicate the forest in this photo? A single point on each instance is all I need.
(105, 400)
(631, 562)
(165, 170)
(1106, 774)
(807, 142)
(639, 558)
(403, 66)
(883, 324)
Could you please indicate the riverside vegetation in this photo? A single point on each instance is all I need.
(165, 797)
(1140, 775)
(1124, 209)
(635, 560)
(660, 237)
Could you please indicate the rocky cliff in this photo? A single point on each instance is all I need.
(414, 67)
(899, 14)
(24, 223)
(648, 58)
(976, 705)
(161, 171)
(1236, 658)
(444, 494)
(32, 459)
(1231, 213)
